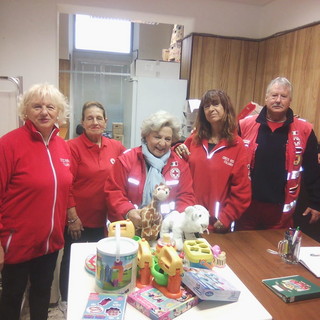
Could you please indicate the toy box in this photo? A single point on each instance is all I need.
(151, 302)
(104, 306)
(209, 285)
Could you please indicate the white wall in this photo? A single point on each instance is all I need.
(152, 39)
(29, 28)
(282, 15)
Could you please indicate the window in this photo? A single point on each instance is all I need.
(102, 34)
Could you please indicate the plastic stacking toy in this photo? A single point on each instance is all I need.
(198, 253)
(167, 270)
(145, 263)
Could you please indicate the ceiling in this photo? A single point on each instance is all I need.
(251, 2)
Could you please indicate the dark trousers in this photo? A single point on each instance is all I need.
(262, 215)
(39, 272)
(88, 235)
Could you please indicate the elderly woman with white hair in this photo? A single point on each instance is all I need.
(35, 181)
(137, 171)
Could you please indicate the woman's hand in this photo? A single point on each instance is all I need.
(182, 151)
(134, 216)
(219, 227)
(75, 228)
(74, 224)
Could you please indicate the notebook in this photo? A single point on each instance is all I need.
(310, 258)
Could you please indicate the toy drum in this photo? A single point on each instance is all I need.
(116, 265)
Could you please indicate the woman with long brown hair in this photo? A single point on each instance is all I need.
(218, 161)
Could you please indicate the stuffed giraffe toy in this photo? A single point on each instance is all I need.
(151, 217)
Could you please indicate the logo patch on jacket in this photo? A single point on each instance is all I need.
(296, 141)
(175, 173)
(65, 162)
(228, 161)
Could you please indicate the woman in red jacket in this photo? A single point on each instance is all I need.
(138, 170)
(35, 181)
(93, 156)
(218, 161)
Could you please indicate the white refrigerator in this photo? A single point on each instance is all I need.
(151, 94)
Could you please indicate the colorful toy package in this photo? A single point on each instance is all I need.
(104, 306)
(151, 302)
(209, 285)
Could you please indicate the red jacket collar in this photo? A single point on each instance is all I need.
(35, 132)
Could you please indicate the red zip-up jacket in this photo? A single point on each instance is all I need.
(221, 175)
(35, 181)
(124, 187)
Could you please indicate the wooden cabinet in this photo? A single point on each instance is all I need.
(211, 62)
(244, 68)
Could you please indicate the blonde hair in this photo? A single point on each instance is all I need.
(40, 92)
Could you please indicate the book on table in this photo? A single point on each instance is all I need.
(293, 288)
(105, 306)
(310, 258)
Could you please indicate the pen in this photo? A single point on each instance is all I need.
(294, 238)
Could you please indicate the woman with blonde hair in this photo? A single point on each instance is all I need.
(35, 181)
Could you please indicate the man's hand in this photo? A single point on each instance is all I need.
(315, 215)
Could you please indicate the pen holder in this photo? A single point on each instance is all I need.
(289, 247)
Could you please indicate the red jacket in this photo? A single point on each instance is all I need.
(124, 187)
(91, 166)
(297, 140)
(35, 179)
(221, 176)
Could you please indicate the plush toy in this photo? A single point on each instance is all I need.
(151, 217)
(195, 219)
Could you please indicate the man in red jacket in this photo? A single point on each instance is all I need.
(280, 147)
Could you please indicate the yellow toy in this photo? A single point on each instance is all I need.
(168, 281)
(126, 228)
(145, 263)
(198, 253)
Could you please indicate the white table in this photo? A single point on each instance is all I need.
(81, 283)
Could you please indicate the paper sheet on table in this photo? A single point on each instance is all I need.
(310, 258)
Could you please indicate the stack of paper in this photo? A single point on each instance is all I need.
(310, 258)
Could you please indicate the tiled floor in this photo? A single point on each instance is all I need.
(53, 314)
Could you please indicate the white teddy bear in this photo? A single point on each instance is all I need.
(195, 219)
